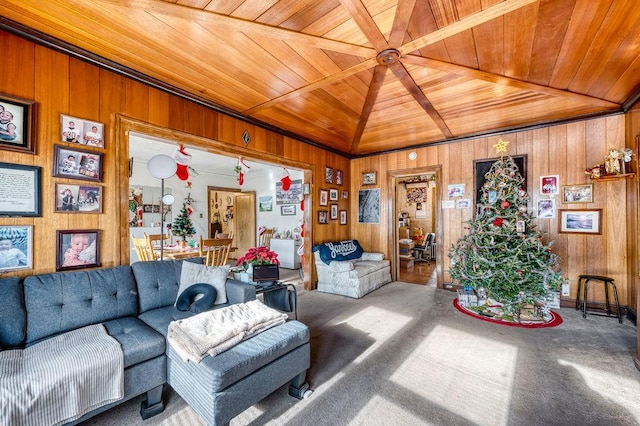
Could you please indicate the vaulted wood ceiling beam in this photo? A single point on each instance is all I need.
(408, 82)
(401, 22)
(374, 88)
(339, 76)
(209, 19)
(365, 22)
(505, 81)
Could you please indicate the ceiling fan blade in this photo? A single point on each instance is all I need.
(404, 11)
(407, 81)
(361, 15)
(374, 88)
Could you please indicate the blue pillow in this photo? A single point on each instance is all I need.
(341, 250)
(197, 298)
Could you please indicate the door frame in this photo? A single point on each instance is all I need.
(393, 176)
(124, 125)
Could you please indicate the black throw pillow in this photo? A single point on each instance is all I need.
(189, 300)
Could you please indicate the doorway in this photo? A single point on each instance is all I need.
(417, 218)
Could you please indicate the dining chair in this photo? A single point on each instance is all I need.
(215, 251)
(265, 238)
(143, 248)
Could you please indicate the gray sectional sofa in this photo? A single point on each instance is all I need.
(136, 304)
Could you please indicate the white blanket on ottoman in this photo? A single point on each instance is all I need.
(213, 332)
(61, 378)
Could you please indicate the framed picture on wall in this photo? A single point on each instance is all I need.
(334, 211)
(289, 210)
(343, 217)
(550, 185)
(333, 195)
(328, 175)
(577, 193)
(20, 193)
(18, 119)
(324, 197)
(369, 206)
(547, 208)
(323, 217)
(16, 243)
(586, 221)
(77, 164)
(77, 249)
(338, 177)
(369, 178)
(80, 131)
(78, 198)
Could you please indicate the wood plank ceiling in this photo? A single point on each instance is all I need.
(367, 76)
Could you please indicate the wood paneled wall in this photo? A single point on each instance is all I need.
(61, 84)
(564, 150)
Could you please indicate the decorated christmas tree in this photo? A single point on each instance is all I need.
(182, 225)
(503, 255)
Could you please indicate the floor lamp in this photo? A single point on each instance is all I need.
(162, 167)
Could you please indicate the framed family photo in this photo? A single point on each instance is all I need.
(343, 217)
(333, 195)
(577, 193)
(77, 249)
(338, 177)
(334, 211)
(586, 221)
(323, 217)
(17, 124)
(78, 198)
(324, 197)
(328, 175)
(80, 131)
(20, 192)
(16, 247)
(77, 164)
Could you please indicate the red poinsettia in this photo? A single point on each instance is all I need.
(498, 221)
(258, 256)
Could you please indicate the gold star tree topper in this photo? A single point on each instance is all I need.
(501, 146)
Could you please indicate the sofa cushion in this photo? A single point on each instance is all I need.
(213, 275)
(158, 282)
(197, 298)
(64, 301)
(339, 250)
(13, 318)
(366, 267)
(139, 341)
(213, 374)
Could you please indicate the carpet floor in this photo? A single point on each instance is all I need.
(403, 355)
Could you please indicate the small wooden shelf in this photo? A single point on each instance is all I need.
(614, 177)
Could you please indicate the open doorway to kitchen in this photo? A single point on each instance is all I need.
(417, 226)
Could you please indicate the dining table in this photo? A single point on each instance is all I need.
(179, 252)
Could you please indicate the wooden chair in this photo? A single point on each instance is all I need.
(215, 251)
(223, 235)
(155, 241)
(265, 238)
(143, 248)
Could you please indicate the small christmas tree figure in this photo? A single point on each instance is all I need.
(503, 254)
(182, 225)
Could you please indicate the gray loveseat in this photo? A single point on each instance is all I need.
(136, 304)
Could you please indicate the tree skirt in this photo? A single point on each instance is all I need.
(553, 321)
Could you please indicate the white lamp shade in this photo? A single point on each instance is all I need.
(168, 199)
(162, 166)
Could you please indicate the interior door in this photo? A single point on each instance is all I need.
(244, 222)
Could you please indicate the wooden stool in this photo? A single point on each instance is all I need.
(583, 282)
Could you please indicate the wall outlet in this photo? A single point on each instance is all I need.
(565, 289)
